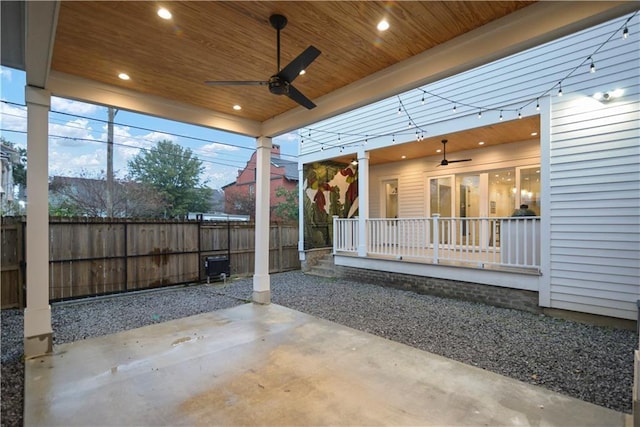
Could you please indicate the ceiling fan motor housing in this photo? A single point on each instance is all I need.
(278, 86)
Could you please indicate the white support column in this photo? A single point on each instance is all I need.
(261, 279)
(363, 201)
(544, 290)
(301, 196)
(37, 315)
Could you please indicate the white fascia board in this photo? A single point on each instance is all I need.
(41, 24)
(531, 26)
(72, 87)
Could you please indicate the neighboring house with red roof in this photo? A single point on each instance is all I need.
(239, 196)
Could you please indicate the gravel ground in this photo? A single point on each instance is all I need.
(591, 363)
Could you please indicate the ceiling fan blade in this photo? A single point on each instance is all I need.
(236, 83)
(292, 70)
(297, 96)
(457, 161)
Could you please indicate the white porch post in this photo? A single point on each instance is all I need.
(363, 201)
(261, 279)
(301, 253)
(37, 315)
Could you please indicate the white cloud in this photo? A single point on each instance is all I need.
(5, 73)
(212, 149)
(287, 137)
(73, 107)
(74, 133)
(216, 175)
(13, 117)
(67, 163)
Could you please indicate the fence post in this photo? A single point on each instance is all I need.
(126, 255)
(280, 249)
(436, 237)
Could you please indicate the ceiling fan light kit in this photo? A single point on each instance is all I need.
(280, 83)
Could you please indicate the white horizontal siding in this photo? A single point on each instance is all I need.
(594, 182)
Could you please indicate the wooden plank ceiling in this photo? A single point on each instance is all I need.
(502, 133)
(233, 40)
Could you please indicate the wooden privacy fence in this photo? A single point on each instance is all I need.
(98, 256)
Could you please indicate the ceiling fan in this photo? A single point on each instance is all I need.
(444, 161)
(280, 83)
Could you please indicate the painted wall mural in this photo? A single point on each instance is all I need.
(330, 189)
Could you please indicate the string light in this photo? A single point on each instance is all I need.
(394, 139)
(424, 93)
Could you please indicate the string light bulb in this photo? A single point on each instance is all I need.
(366, 139)
(480, 114)
(519, 114)
(422, 98)
(399, 110)
(592, 67)
(500, 115)
(394, 139)
(454, 108)
(537, 104)
(625, 32)
(560, 89)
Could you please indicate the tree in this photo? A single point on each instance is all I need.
(174, 172)
(240, 203)
(86, 195)
(287, 209)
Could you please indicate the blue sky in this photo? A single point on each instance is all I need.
(78, 134)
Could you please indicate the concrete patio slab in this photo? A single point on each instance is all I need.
(269, 365)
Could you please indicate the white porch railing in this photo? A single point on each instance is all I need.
(481, 242)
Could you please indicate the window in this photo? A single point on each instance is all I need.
(494, 193)
(530, 188)
(390, 192)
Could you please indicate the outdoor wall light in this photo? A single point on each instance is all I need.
(608, 96)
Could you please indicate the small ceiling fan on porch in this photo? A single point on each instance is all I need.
(280, 83)
(444, 161)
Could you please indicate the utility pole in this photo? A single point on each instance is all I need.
(112, 115)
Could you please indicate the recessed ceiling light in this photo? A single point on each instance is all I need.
(164, 13)
(124, 76)
(302, 72)
(438, 150)
(481, 143)
(383, 25)
(534, 133)
(403, 157)
(237, 107)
